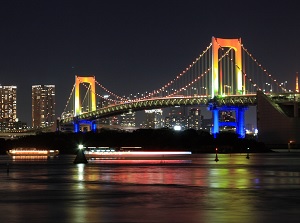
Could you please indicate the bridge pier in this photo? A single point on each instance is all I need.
(92, 126)
(76, 126)
(240, 119)
(215, 127)
(240, 116)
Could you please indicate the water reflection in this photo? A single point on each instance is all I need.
(80, 177)
(16, 158)
(265, 188)
(141, 161)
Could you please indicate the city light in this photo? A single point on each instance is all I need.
(177, 127)
(186, 89)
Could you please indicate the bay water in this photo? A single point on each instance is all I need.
(191, 188)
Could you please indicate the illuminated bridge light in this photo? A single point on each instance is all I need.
(184, 83)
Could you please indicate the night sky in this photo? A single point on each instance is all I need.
(135, 46)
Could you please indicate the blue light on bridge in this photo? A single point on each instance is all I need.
(240, 119)
(76, 127)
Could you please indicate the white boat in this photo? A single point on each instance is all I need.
(22, 151)
(128, 152)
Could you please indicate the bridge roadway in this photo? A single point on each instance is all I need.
(234, 100)
(152, 103)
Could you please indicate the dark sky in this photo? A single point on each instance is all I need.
(133, 46)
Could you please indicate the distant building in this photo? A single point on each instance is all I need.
(18, 125)
(176, 118)
(168, 122)
(127, 119)
(195, 119)
(43, 106)
(8, 107)
(113, 120)
(102, 103)
(250, 127)
(207, 124)
(154, 118)
(227, 116)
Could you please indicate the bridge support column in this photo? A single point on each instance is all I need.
(215, 127)
(239, 124)
(76, 126)
(240, 118)
(93, 126)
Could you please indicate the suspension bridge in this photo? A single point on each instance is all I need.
(224, 77)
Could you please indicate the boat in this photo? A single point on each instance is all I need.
(128, 152)
(32, 152)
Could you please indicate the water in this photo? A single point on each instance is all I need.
(264, 188)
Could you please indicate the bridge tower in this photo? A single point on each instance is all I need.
(90, 80)
(92, 104)
(217, 85)
(216, 82)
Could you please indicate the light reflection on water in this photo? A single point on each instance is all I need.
(264, 188)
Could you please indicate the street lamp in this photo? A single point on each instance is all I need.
(284, 85)
(267, 88)
(196, 91)
(205, 89)
(229, 89)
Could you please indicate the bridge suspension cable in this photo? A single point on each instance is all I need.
(100, 96)
(65, 112)
(113, 94)
(198, 69)
(197, 78)
(256, 81)
(264, 69)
